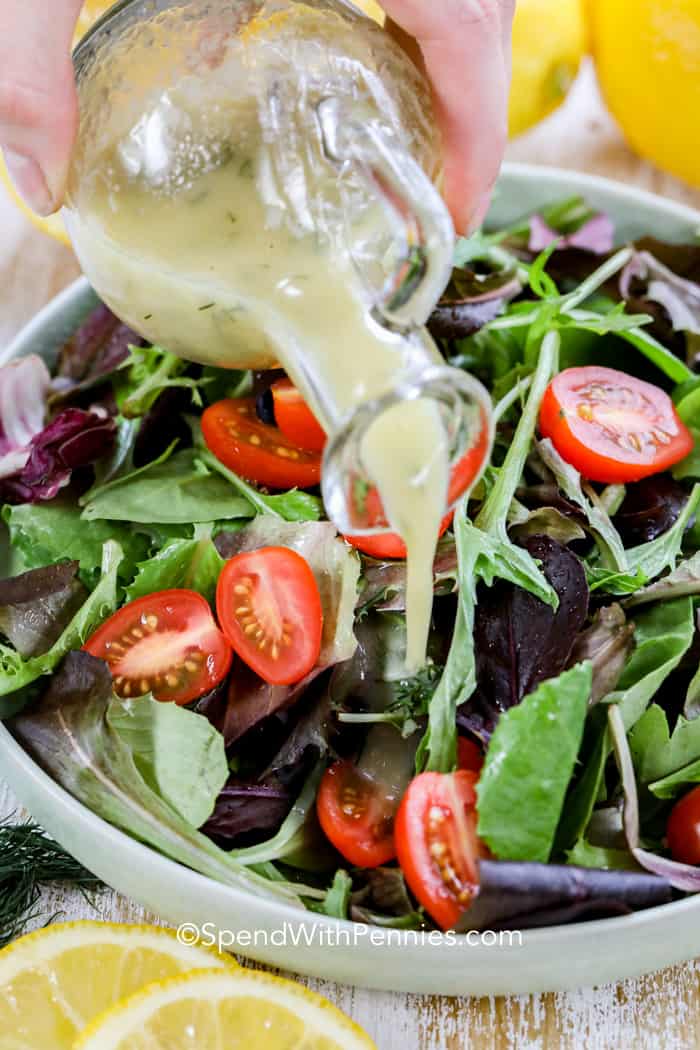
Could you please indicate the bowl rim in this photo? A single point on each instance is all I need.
(140, 855)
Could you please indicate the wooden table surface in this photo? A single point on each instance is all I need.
(660, 1012)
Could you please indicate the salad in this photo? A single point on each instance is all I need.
(192, 651)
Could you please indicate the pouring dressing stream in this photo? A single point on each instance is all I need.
(248, 190)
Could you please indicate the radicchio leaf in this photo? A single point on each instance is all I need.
(36, 606)
(470, 301)
(73, 439)
(650, 508)
(520, 641)
(607, 643)
(24, 385)
(597, 235)
(684, 877)
(517, 895)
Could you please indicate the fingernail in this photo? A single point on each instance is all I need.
(480, 212)
(28, 179)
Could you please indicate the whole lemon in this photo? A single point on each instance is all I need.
(647, 55)
(549, 41)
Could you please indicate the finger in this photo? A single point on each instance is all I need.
(465, 46)
(38, 103)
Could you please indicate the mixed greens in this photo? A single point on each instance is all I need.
(540, 768)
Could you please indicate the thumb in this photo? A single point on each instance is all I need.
(38, 103)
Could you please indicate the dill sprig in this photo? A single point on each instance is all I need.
(28, 860)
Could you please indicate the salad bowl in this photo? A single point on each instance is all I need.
(552, 959)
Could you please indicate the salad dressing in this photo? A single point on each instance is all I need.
(205, 264)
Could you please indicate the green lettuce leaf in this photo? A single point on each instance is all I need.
(663, 634)
(176, 490)
(288, 506)
(46, 533)
(16, 673)
(193, 564)
(684, 580)
(144, 376)
(529, 764)
(663, 760)
(78, 735)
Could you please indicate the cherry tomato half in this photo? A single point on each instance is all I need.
(270, 610)
(356, 816)
(166, 644)
(469, 755)
(295, 419)
(437, 845)
(255, 450)
(612, 427)
(683, 829)
(389, 545)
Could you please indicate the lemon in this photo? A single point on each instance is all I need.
(236, 1010)
(371, 8)
(549, 41)
(647, 56)
(53, 225)
(55, 981)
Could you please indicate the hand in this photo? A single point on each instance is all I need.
(38, 104)
(465, 46)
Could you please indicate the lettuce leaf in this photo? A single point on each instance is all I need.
(16, 672)
(529, 764)
(79, 733)
(663, 760)
(47, 533)
(194, 564)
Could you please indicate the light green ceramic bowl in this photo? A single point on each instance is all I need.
(546, 960)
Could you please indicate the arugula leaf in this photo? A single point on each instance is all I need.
(528, 767)
(663, 634)
(611, 547)
(660, 554)
(46, 533)
(288, 506)
(176, 490)
(194, 564)
(16, 673)
(143, 377)
(74, 733)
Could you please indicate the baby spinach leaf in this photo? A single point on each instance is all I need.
(176, 490)
(194, 564)
(15, 672)
(528, 767)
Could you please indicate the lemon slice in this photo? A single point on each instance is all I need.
(236, 1010)
(55, 981)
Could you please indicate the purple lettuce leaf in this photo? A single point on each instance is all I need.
(74, 439)
(36, 606)
(521, 641)
(645, 277)
(608, 644)
(24, 385)
(650, 508)
(97, 349)
(524, 895)
(243, 808)
(470, 301)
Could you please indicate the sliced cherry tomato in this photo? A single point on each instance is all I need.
(166, 644)
(612, 427)
(255, 450)
(389, 545)
(469, 755)
(295, 419)
(437, 844)
(356, 816)
(270, 610)
(683, 829)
